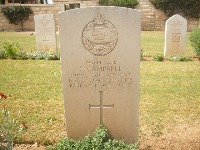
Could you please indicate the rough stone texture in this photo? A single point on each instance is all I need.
(152, 19)
(45, 32)
(100, 59)
(29, 24)
(175, 35)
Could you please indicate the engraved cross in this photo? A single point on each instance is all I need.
(101, 106)
(46, 40)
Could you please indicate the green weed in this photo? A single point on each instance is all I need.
(195, 40)
(10, 127)
(2, 54)
(181, 58)
(11, 49)
(98, 141)
(158, 58)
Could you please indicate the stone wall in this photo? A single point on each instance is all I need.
(85, 3)
(29, 25)
(152, 19)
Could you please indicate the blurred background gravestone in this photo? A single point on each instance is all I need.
(45, 32)
(175, 35)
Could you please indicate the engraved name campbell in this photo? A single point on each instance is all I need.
(98, 74)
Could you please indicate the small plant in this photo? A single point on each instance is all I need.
(158, 58)
(17, 14)
(181, 58)
(22, 55)
(36, 55)
(2, 54)
(121, 3)
(11, 49)
(141, 54)
(98, 141)
(52, 55)
(10, 127)
(195, 40)
(48, 55)
(185, 59)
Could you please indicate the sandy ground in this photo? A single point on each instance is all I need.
(184, 137)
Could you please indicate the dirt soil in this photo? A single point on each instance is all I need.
(184, 137)
(29, 147)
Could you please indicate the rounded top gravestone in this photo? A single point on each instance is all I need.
(100, 60)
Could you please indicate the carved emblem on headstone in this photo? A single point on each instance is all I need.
(44, 22)
(176, 37)
(99, 36)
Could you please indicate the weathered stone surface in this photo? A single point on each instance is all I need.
(175, 35)
(100, 58)
(45, 32)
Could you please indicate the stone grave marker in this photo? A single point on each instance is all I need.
(175, 35)
(100, 59)
(45, 32)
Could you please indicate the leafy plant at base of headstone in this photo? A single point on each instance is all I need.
(158, 58)
(17, 14)
(11, 49)
(10, 127)
(2, 54)
(37, 55)
(98, 141)
(52, 55)
(181, 58)
(22, 55)
(187, 8)
(141, 54)
(195, 40)
(48, 55)
(121, 3)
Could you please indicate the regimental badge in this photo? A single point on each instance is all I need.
(99, 36)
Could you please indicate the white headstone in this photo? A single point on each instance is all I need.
(100, 59)
(45, 32)
(175, 35)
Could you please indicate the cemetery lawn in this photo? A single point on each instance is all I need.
(25, 39)
(169, 101)
(152, 43)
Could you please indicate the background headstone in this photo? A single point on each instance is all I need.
(100, 59)
(175, 35)
(45, 32)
